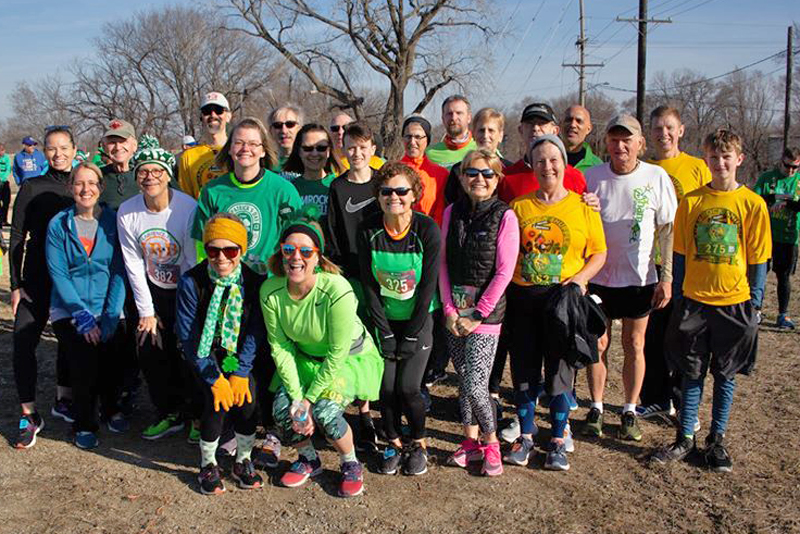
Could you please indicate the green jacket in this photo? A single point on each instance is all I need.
(589, 160)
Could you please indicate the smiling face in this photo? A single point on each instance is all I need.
(723, 163)
(359, 152)
(59, 151)
(456, 118)
(488, 134)
(576, 126)
(85, 187)
(478, 187)
(665, 133)
(153, 180)
(299, 270)
(314, 160)
(536, 127)
(247, 148)
(222, 264)
(285, 133)
(120, 150)
(396, 204)
(414, 140)
(215, 118)
(623, 148)
(548, 164)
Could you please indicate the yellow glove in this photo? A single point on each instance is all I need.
(241, 389)
(223, 395)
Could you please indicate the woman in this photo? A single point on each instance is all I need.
(312, 165)
(39, 199)
(324, 356)
(399, 257)
(416, 138)
(220, 328)
(561, 242)
(85, 264)
(480, 239)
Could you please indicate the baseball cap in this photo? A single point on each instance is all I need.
(627, 122)
(538, 110)
(120, 128)
(29, 141)
(216, 99)
(189, 140)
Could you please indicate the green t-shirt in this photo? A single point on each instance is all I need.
(258, 204)
(784, 222)
(5, 168)
(314, 191)
(441, 155)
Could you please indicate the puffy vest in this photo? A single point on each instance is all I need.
(472, 247)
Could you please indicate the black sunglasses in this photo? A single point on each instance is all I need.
(212, 108)
(472, 172)
(336, 127)
(399, 191)
(57, 128)
(318, 148)
(279, 125)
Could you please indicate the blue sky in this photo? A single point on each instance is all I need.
(711, 36)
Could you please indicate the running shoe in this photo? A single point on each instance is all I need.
(510, 433)
(245, 475)
(300, 471)
(629, 427)
(520, 451)
(716, 455)
(210, 481)
(556, 459)
(569, 442)
(269, 453)
(127, 401)
(415, 460)
(367, 438)
(784, 322)
(29, 427)
(352, 479)
(63, 409)
(594, 424)
(492, 460)
(86, 440)
(390, 460)
(433, 377)
(678, 450)
(169, 425)
(118, 423)
(194, 432)
(469, 451)
(651, 411)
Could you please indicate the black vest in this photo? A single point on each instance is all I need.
(472, 247)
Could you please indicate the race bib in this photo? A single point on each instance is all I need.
(398, 285)
(163, 273)
(464, 299)
(542, 268)
(162, 252)
(717, 242)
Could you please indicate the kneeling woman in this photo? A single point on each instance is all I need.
(220, 327)
(323, 354)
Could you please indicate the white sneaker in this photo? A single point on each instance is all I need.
(569, 443)
(510, 433)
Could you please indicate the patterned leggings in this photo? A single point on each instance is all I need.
(473, 357)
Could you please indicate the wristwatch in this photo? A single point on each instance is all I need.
(477, 316)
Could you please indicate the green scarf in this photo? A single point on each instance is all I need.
(231, 320)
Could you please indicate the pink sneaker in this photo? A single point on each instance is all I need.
(492, 461)
(469, 451)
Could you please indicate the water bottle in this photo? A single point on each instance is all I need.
(299, 415)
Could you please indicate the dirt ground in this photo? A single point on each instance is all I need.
(130, 485)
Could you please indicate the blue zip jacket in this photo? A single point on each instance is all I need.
(28, 165)
(82, 282)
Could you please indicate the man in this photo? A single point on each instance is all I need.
(5, 188)
(576, 126)
(28, 162)
(188, 142)
(416, 136)
(537, 119)
(660, 395)
(780, 188)
(284, 123)
(196, 167)
(339, 123)
(637, 204)
(456, 119)
(119, 144)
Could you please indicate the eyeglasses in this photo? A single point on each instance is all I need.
(399, 191)
(278, 125)
(249, 144)
(155, 173)
(212, 108)
(409, 137)
(59, 128)
(306, 252)
(472, 172)
(229, 252)
(318, 148)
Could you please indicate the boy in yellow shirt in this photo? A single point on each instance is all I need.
(721, 247)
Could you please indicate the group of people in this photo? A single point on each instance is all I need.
(276, 274)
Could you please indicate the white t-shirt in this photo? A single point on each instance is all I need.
(156, 246)
(632, 206)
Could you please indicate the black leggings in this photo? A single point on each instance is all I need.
(263, 371)
(660, 385)
(244, 417)
(29, 324)
(500, 357)
(400, 388)
(5, 202)
(94, 370)
(784, 263)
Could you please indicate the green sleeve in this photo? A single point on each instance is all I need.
(201, 215)
(283, 348)
(341, 312)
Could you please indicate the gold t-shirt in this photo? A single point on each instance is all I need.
(686, 172)
(196, 169)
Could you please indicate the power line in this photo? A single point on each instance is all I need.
(701, 4)
(546, 47)
(524, 36)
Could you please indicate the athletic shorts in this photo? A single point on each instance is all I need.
(724, 338)
(784, 258)
(630, 302)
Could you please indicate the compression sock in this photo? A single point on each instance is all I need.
(208, 452)
(307, 452)
(348, 456)
(244, 445)
(559, 414)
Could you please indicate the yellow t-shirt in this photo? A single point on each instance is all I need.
(686, 172)
(374, 162)
(555, 239)
(720, 233)
(196, 169)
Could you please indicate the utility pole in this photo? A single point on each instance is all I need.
(581, 44)
(641, 70)
(787, 121)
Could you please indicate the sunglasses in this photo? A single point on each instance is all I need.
(306, 252)
(318, 148)
(278, 125)
(472, 172)
(336, 127)
(229, 252)
(399, 191)
(56, 128)
(791, 165)
(212, 108)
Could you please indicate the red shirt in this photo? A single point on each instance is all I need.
(520, 180)
(434, 178)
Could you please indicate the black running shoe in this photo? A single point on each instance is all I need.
(716, 455)
(390, 460)
(433, 377)
(367, 438)
(210, 481)
(245, 475)
(415, 460)
(674, 452)
(29, 427)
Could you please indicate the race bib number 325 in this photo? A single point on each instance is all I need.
(399, 285)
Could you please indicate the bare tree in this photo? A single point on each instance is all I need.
(333, 43)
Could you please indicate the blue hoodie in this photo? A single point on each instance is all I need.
(81, 282)
(28, 165)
